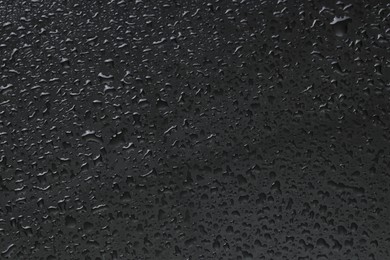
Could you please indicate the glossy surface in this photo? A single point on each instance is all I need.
(194, 130)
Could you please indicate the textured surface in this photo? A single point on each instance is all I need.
(194, 130)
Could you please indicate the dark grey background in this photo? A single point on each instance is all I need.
(194, 130)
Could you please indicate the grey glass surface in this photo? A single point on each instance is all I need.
(194, 130)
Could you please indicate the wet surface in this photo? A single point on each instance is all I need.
(194, 130)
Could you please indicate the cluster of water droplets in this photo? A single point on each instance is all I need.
(194, 130)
